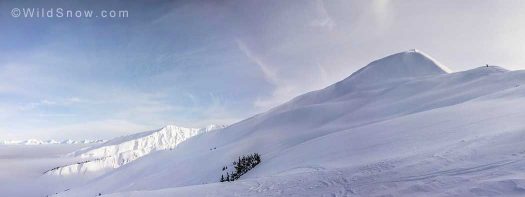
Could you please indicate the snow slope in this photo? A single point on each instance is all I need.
(403, 126)
(122, 150)
(41, 142)
(398, 66)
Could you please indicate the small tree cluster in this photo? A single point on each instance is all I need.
(242, 165)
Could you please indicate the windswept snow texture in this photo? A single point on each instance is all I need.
(122, 150)
(41, 142)
(402, 126)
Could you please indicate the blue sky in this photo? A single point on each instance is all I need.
(192, 63)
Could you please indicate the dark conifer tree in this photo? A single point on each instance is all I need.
(242, 166)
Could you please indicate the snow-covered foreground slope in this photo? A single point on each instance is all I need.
(122, 150)
(420, 132)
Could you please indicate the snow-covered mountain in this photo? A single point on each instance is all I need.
(122, 150)
(41, 142)
(403, 125)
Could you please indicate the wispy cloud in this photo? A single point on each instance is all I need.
(282, 90)
(269, 73)
(323, 20)
(59, 102)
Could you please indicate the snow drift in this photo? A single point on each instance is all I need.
(402, 125)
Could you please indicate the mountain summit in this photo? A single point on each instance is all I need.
(408, 64)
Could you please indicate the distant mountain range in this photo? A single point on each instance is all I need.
(42, 142)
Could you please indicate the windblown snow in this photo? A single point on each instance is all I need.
(403, 125)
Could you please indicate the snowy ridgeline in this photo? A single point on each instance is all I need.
(120, 151)
(404, 125)
(43, 142)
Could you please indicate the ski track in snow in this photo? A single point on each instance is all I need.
(458, 171)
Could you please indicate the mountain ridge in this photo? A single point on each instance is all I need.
(125, 149)
(366, 137)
